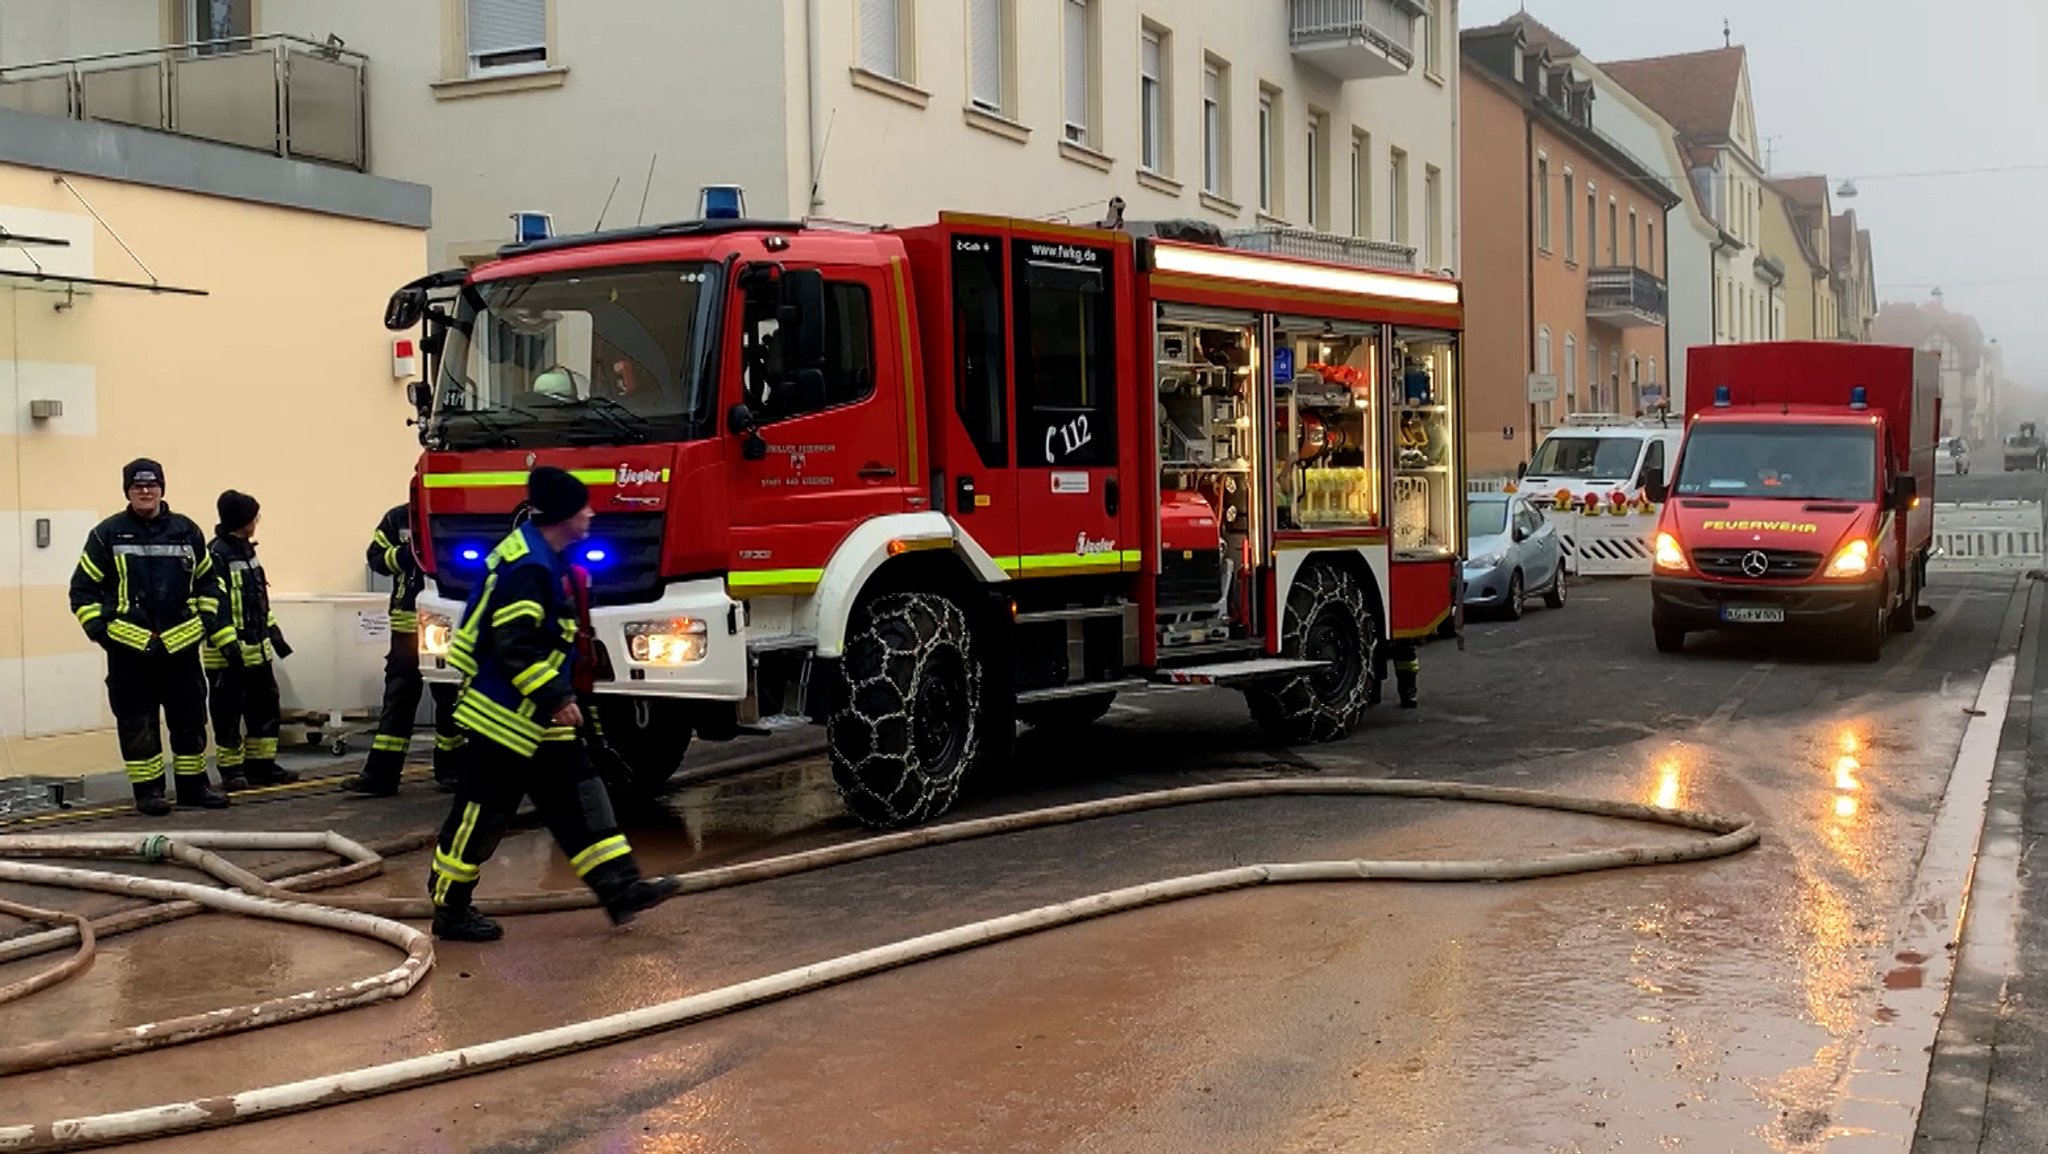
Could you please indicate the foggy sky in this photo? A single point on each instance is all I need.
(1865, 88)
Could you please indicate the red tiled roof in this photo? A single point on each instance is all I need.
(1541, 35)
(1695, 92)
(1804, 191)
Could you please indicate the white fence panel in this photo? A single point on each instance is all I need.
(1987, 536)
(1607, 544)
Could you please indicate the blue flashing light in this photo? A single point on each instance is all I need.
(1859, 398)
(722, 202)
(595, 555)
(1722, 398)
(528, 227)
(471, 554)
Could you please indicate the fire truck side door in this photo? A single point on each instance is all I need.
(971, 424)
(1071, 498)
(835, 441)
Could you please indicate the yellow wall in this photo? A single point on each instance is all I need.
(279, 383)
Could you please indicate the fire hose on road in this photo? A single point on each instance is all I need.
(374, 916)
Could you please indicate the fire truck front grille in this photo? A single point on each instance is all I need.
(623, 554)
(1779, 564)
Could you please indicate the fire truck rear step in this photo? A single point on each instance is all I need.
(1083, 689)
(1236, 672)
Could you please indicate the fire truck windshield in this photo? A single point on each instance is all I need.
(1790, 461)
(599, 356)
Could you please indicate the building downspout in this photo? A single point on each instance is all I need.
(813, 51)
(1529, 259)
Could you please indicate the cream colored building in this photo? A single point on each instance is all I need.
(1338, 116)
(1798, 228)
(278, 380)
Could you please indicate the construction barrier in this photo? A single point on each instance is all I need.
(1987, 537)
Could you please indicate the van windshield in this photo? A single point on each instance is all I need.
(1793, 462)
(1589, 458)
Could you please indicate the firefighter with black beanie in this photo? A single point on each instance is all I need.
(392, 555)
(242, 640)
(141, 584)
(516, 650)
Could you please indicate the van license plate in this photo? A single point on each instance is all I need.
(1752, 614)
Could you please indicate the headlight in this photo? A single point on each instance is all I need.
(1669, 554)
(1486, 562)
(1852, 560)
(436, 632)
(677, 641)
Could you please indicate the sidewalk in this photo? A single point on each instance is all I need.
(1987, 1089)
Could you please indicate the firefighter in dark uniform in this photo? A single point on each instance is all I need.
(242, 640)
(1407, 659)
(391, 554)
(140, 586)
(516, 649)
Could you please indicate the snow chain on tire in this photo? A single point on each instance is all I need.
(1296, 709)
(905, 651)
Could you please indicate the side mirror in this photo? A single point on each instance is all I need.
(421, 394)
(407, 306)
(1655, 487)
(1520, 534)
(802, 316)
(741, 422)
(1521, 470)
(1905, 490)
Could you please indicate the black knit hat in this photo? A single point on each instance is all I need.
(237, 510)
(141, 469)
(554, 495)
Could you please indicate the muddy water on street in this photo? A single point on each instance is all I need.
(1705, 1007)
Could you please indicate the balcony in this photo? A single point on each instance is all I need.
(1380, 255)
(1355, 39)
(277, 94)
(1626, 298)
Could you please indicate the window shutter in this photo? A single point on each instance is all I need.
(880, 43)
(986, 33)
(500, 26)
(1077, 64)
(1150, 58)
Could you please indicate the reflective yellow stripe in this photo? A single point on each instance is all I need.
(88, 613)
(129, 634)
(389, 743)
(146, 770)
(210, 658)
(1057, 564)
(486, 718)
(538, 674)
(121, 597)
(763, 582)
(91, 570)
(449, 866)
(508, 480)
(515, 611)
(444, 742)
(461, 662)
(405, 621)
(189, 764)
(205, 604)
(262, 749)
(512, 548)
(223, 637)
(183, 635)
(598, 853)
(228, 757)
(453, 868)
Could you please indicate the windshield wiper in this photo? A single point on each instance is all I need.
(616, 415)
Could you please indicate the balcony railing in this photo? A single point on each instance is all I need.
(277, 94)
(1380, 255)
(1625, 297)
(1355, 39)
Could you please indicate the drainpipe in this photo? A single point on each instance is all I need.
(1529, 254)
(814, 170)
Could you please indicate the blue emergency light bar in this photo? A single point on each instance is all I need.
(528, 227)
(1859, 398)
(722, 202)
(1722, 398)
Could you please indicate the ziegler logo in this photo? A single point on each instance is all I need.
(1762, 526)
(1084, 547)
(628, 475)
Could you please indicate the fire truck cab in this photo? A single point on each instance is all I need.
(923, 484)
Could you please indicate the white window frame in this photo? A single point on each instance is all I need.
(1432, 217)
(1397, 196)
(1571, 372)
(1215, 126)
(991, 45)
(1155, 102)
(1269, 151)
(478, 63)
(1361, 184)
(1543, 209)
(1080, 46)
(1318, 170)
(1635, 224)
(900, 62)
(1571, 219)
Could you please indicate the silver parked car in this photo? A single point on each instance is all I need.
(1512, 553)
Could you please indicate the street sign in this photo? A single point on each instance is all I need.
(1542, 387)
(1653, 396)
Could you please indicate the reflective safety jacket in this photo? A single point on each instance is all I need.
(516, 646)
(141, 584)
(391, 555)
(240, 627)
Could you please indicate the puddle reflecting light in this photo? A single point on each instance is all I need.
(1846, 768)
(1670, 785)
(1845, 806)
(1850, 742)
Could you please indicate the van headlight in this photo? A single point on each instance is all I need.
(436, 633)
(1670, 555)
(1851, 560)
(676, 641)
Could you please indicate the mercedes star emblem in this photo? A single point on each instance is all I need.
(1755, 564)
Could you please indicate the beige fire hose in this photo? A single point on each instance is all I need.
(1729, 837)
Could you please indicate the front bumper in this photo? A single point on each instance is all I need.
(1694, 604)
(1487, 588)
(721, 675)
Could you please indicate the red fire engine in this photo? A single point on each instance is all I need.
(923, 484)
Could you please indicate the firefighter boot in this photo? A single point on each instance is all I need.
(363, 785)
(627, 895)
(268, 773)
(464, 924)
(150, 800)
(235, 780)
(195, 790)
(1404, 682)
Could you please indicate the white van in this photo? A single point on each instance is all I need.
(1600, 453)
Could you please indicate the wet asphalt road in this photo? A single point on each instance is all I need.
(1700, 1007)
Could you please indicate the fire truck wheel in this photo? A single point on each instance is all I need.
(1906, 618)
(1866, 640)
(909, 728)
(1066, 712)
(641, 745)
(1327, 621)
